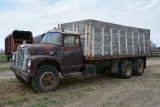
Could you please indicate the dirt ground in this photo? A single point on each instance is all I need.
(92, 91)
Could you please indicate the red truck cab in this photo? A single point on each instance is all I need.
(59, 52)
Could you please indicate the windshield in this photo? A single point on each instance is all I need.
(52, 38)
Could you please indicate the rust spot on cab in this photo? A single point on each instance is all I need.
(46, 47)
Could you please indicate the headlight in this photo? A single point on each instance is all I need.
(29, 63)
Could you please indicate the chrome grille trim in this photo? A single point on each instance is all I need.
(21, 58)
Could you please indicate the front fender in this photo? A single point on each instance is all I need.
(39, 60)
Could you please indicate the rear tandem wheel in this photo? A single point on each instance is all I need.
(126, 69)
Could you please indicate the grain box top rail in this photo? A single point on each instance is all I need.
(97, 23)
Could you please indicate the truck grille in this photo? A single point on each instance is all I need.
(21, 58)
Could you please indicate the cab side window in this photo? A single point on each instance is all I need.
(71, 41)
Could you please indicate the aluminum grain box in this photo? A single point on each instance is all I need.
(110, 40)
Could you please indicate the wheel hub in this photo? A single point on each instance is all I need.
(140, 67)
(47, 79)
(128, 70)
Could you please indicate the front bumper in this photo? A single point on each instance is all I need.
(20, 73)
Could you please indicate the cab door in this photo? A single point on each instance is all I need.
(70, 55)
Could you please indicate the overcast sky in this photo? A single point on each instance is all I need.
(39, 16)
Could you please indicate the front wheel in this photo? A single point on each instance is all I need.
(46, 79)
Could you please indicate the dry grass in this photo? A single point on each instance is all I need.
(5, 66)
(2, 57)
(14, 93)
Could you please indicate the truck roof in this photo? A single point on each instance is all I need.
(63, 31)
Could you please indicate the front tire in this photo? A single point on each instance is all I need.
(46, 79)
(126, 69)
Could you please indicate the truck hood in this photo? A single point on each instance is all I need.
(41, 49)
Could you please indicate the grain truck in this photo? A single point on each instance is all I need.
(86, 47)
(16, 38)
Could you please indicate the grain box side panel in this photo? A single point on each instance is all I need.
(107, 38)
(96, 36)
(147, 41)
(123, 42)
(107, 41)
(111, 39)
(131, 41)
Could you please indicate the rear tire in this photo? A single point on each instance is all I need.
(126, 69)
(138, 67)
(46, 79)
